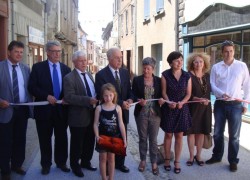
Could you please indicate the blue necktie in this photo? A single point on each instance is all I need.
(56, 84)
(15, 85)
(86, 85)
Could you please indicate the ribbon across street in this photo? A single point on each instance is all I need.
(42, 103)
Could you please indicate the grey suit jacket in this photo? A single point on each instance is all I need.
(80, 109)
(6, 89)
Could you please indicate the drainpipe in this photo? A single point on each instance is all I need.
(58, 16)
(177, 25)
(45, 28)
(12, 20)
(135, 21)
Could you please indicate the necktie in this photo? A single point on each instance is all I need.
(86, 85)
(118, 82)
(56, 84)
(15, 85)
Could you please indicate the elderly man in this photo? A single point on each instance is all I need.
(119, 77)
(80, 95)
(14, 77)
(45, 84)
(228, 78)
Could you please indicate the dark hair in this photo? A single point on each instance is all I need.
(15, 44)
(149, 61)
(173, 55)
(226, 43)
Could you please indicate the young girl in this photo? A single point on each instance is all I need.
(108, 121)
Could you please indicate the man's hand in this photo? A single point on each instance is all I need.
(4, 104)
(52, 100)
(244, 110)
(125, 105)
(93, 101)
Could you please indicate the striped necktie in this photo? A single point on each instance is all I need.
(118, 82)
(15, 85)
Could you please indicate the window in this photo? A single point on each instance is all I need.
(159, 5)
(132, 18)
(146, 9)
(122, 25)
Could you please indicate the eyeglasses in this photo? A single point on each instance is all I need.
(55, 51)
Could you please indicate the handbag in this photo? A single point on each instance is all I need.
(112, 144)
(208, 141)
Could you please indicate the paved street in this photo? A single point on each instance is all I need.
(216, 171)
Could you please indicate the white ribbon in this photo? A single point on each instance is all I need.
(40, 103)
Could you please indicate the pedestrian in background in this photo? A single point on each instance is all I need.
(108, 122)
(14, 76)
(198, 65)
(176, 119)
(79, 93)
(229, 78)
(147, 114)
(119, 77)
(45, 84)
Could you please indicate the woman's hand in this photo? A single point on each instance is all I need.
(206, 101)
(142, 102)
(161, 101)
(180, 104)
(172, 105)
(125, 142)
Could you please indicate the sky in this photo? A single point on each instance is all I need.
(95, 15)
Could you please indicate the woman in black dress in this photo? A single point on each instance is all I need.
(176, 119)
(198, 67)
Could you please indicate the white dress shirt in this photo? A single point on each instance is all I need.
(113, 72)
(231, 80)
(90, 82)
(22, 95)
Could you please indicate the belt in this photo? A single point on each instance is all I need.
(228, 102)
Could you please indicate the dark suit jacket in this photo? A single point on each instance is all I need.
(105, 76)
(75, 93)
(138, 90)
(40, 86)
(6, 89)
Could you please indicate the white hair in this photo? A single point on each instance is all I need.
(78, 54)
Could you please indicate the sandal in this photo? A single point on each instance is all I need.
(167, 167)
(200, 163)
(176, 170)
(141, 167)
(190, 163)
(155, 171)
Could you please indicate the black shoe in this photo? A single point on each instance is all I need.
(6, 177)
(78, 172)
(64, 168)
(212, 160)
(123, 168)
(233, 167)
(18, 170)
(89, 167)
(45, 170)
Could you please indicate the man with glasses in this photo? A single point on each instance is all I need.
(228, 78)
(45, 84)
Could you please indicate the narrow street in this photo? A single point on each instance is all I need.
(217, 171)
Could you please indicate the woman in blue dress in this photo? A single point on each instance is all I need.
(176, 119)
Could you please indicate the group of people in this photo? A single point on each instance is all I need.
(91, 108)
(184, 106)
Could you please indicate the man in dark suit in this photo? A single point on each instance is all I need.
(45, 84)
(79, 93)
(119, 77)
(13, 119)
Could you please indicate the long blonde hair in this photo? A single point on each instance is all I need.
(109, 87)
(205, 57)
